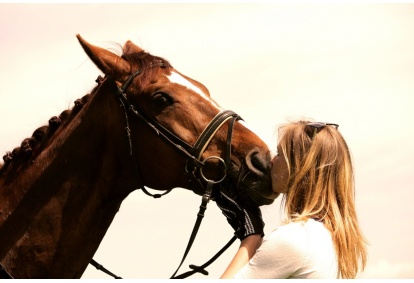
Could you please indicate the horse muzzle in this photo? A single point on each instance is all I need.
(252, 179)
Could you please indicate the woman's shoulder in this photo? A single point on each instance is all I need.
(299, 226)
(307, 243)
(299, 233)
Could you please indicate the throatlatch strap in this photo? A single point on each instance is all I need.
(155, 195)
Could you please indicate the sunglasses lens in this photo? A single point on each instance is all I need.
(317, 125)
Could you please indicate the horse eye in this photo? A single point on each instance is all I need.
(161, 99)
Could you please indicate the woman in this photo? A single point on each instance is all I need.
(320, 237)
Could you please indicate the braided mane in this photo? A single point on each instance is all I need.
(33, 146)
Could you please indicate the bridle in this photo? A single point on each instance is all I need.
(194, 163)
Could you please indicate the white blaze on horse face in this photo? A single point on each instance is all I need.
(178, 79)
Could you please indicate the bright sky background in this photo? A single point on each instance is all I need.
(348, 64)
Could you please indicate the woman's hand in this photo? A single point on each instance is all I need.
(246, 220)
(241, 213)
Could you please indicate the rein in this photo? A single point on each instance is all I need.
(194, 162)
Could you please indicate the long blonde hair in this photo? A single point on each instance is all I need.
(321, 186)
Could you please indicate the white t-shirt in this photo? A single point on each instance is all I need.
(294, 250)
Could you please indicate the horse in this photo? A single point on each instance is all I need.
(144, 124)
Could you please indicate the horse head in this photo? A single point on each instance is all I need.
(166, 113)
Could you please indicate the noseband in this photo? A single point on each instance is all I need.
(193, 153)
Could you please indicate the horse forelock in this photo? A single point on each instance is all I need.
(148, 64)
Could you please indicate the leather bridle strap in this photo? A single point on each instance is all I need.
(158, 128)
(205, 199)
(211, 129)
(103, 269)
(131, 152)
(155, 195)
(201, 268)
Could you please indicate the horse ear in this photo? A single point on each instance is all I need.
(108, 62)
(130, 48)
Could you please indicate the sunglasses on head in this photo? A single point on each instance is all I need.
(318, 126)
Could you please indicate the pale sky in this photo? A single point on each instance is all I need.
(347, 64)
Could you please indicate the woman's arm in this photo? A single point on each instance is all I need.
(247, 249)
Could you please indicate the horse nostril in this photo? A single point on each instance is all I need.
(258, 161)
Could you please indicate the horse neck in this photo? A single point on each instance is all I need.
(54, 215)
